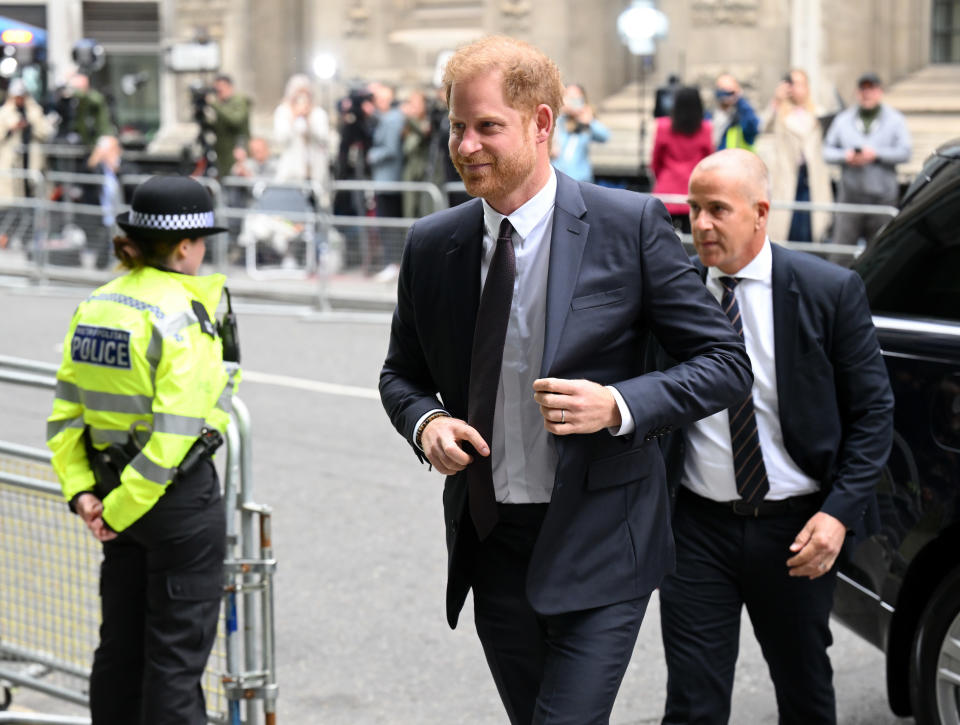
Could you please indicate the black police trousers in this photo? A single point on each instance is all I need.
(161, 584)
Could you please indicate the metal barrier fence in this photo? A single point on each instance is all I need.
(277, 230)
(49, 571)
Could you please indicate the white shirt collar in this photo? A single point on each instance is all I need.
(760, 268)
(527, 216)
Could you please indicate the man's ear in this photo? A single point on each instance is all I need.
(763, 212)
(544, 120)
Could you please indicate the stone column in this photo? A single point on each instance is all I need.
(64, 28)
(806, 49)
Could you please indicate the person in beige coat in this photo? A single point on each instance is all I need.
(798, 171)
(22, 122)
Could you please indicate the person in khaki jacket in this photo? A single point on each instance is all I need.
(797, 169)
(22, 124)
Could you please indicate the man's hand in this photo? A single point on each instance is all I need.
(817, 546)
(90, 509)
(441, 444)
(575, 406)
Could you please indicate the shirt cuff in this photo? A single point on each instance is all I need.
(627, 426)
(413, 438)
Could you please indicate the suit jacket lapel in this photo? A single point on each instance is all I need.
(786, 300)
(567, 243)
(461, 275)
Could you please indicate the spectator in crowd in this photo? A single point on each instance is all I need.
(797, 169)
(230, 122)
(680, 142)
(416, 153)
(735, 123)
(355, 122)
(868, 141)
(23, 128)
(301, 131)
(385, 158)
(442, 171)
(256, 161)
(84, 112)
(577, 128)
(105, 160)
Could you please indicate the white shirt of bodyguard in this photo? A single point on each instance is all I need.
(708, 463)
(524, 458)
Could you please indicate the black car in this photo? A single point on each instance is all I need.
(900, 589)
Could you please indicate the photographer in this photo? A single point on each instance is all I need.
(229, 119)
(23, 127)
(577, 127)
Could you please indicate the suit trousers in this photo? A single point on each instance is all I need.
(161, 584)
(554, 669)
(724, 562)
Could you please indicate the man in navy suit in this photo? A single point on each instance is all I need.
(557, 515)
(770, 489)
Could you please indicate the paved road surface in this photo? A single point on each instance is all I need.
(361, 634)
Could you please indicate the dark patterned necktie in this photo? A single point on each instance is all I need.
(485, 362)
(748, 468)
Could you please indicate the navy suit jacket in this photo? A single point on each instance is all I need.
(616, 271)
(836, 405)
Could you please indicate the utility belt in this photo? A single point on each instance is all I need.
(108, 464)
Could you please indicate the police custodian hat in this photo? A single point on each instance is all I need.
(169, 208)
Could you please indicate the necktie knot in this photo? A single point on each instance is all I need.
(506, 231)
(729, 283)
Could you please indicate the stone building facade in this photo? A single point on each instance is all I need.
(262, 42)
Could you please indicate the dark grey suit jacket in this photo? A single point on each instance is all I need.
(616, 271)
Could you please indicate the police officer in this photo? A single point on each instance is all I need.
(142, 383)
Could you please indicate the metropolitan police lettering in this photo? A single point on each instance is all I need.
(101, 346)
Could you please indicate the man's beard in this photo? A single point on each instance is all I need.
(502, 176)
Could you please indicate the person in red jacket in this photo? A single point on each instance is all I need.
(682, 140)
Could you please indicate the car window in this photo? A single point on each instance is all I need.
(914, 267)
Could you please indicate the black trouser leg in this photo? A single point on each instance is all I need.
(182, 543)
(549, 670)
(115, 680)
(790, 617)
(700, 606)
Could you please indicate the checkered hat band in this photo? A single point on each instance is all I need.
(198, 220)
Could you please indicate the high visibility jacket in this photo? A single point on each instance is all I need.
(139, 356)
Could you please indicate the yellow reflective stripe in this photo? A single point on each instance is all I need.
(115, 402)
(179, 424)
(56, 427)
(67, 391)
(151, 471)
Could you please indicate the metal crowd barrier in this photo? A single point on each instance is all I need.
(49, 573)
(277, 231)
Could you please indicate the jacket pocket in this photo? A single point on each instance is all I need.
(630, 467)
(598, 299)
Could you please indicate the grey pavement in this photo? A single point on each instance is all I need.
(358, 531)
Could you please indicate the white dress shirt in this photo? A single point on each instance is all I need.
(708, 463)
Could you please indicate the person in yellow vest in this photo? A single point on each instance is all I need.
(142, 395)
(735, 123)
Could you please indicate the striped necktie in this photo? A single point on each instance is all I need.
(485, 363)
(748, 467)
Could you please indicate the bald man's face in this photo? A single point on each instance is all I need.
(728, 225)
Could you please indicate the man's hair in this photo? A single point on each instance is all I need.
(224, 77)
(747, 167)
(529, 77)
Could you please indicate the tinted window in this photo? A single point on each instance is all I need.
(914, 266)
